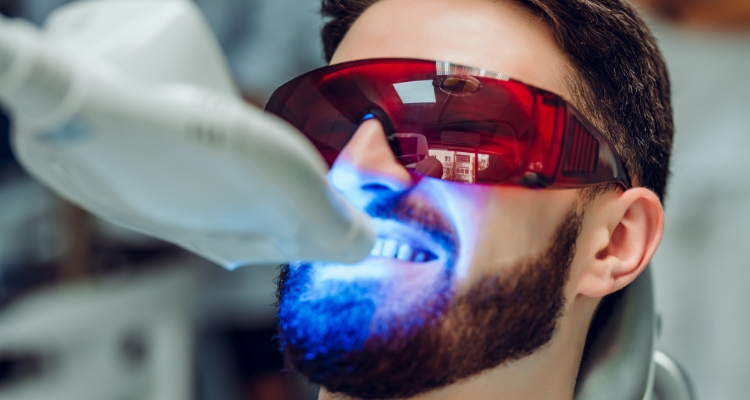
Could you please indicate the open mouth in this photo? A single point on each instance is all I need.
(392, 248)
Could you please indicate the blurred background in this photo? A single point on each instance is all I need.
(106, 313)
(701, 268)
(92, 311)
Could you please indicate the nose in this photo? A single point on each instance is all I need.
(367, 168)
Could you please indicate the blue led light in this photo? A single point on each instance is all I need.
(368, 116)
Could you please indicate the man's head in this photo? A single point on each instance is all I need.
(517, 272)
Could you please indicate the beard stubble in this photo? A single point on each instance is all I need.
(500, 319)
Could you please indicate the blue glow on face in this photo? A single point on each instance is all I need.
(427, 220)
(326, 327)
(325, 314)
(328, 311)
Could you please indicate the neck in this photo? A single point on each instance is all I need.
(550, 373)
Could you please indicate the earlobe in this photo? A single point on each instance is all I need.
(628, 230)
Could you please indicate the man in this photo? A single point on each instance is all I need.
(480, 291)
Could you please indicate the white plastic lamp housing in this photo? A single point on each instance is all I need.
(127, 108)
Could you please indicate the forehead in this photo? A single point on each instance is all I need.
(494, 35)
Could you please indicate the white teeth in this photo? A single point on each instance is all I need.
(377, 248)
(404, 253)
(390, 248)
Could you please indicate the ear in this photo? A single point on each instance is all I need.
(628, 227)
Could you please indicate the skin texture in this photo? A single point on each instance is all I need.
(497, 226)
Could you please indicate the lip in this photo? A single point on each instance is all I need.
(413, 237)
(377, 267)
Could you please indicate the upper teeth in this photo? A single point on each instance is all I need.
(393, 249)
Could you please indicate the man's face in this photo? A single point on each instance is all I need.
(458, 269)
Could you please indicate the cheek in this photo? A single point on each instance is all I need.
(465, 207)
(515, 224)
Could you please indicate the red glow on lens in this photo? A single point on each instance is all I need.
(481, 128)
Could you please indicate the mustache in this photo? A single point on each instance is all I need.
(409, 210)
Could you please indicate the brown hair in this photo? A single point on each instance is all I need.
(622, 84)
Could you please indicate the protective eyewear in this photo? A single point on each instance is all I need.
(452, 122)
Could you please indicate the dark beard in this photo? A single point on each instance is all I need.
(445, 339)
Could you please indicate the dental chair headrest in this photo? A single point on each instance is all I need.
(618, 363)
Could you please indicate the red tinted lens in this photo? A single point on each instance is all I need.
(477, 127)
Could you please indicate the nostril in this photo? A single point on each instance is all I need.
(375, 187)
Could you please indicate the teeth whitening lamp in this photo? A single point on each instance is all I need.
(128, 109)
